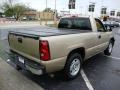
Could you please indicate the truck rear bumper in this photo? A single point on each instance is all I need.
(35, 71)
(26, 64)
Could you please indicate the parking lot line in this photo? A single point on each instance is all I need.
(90, 87)
(116, 58)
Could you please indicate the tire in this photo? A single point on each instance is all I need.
(73, 66)
(108, 51)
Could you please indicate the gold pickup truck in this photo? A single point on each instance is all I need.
(46, 50)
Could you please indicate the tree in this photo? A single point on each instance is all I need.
(16, 10)
(48, 10)
(7, 10)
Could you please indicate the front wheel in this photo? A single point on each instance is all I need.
(73, 66)
(109, 49)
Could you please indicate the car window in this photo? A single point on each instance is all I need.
(100, 26)
(82, 24)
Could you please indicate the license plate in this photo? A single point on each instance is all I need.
(21, 60)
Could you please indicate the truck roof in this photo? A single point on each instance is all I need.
(73, 16)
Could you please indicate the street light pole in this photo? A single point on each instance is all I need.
(46, 3)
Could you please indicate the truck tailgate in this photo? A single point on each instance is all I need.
(25, 44)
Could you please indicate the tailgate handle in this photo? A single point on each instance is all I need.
(99, 36)
(20, 40)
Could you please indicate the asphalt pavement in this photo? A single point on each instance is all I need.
(102, 72)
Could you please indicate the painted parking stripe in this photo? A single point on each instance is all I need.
(90, 87)
(116, 58)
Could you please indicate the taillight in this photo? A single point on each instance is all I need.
(44, 50)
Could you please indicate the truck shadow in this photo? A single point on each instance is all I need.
(58, 82)
(45, 81)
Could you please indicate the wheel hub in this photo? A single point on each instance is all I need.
(110, 48)
(75, 67)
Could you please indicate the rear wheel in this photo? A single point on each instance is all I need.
(73, 66)
(109, 49)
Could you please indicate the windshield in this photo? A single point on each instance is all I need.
(75, 23)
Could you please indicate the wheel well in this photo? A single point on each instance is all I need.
(113, 40)
(81, 51)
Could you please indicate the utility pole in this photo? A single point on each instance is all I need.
(45, 16)
(55, 14)
(55, 4)
(40, 18)
(102, 6)
(81, 10)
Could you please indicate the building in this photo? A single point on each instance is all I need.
(45, 16)
(30, 15)
(34, 15)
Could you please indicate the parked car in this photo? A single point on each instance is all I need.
(46, 50)
(118, 22)
(115, 24)
(107, 27)
(111, 23)
(108, 23)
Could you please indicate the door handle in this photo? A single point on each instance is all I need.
(99, 36)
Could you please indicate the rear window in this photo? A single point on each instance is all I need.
(75, 23)
(65, 23)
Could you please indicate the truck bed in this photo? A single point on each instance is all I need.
(46, 31)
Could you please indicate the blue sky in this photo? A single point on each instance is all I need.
(81, 5)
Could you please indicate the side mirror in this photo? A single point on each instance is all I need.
(108, 28)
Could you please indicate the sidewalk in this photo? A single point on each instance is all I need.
(23, 23)
(20, 24)
(10, 79)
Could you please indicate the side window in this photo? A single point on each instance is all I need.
(100, 26)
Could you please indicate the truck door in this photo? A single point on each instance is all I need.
(103, 36)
